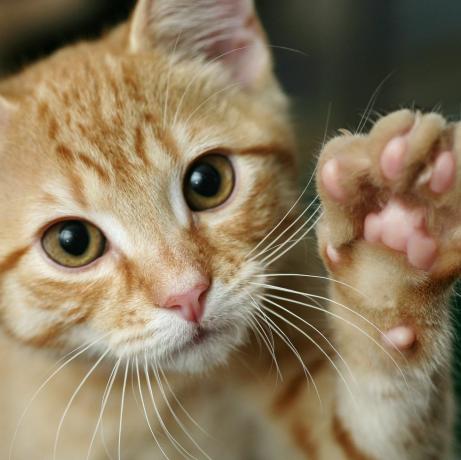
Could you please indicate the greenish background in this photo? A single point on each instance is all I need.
(332, 57)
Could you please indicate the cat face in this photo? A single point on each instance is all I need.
(138, 173)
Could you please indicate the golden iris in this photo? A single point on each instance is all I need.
(209, 182)
(73, 243)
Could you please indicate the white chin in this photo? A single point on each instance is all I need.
(212, 352)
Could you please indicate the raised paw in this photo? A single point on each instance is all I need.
(398, 187)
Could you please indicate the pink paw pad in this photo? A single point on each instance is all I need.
(333, 254)
(444, 173)
(331, 180)
(392, 158)
(400, 337)
(402, 229)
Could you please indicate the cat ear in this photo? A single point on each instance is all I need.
(223, 30)
(7, 109)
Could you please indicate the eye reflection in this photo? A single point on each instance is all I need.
(209, 182)
(73, 243)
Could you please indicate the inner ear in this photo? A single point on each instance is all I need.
(228, 31)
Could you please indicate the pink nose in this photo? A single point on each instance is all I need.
(190, 304)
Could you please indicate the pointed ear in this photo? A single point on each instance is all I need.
(6, 111)
(223, 30)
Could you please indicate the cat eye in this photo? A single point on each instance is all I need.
(73, 243)
(209, 182)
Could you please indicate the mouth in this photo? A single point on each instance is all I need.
(202, 337)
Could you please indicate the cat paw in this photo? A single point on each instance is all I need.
(397, 187)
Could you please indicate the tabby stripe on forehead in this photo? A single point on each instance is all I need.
(69, 156)
(163, 136)
(344, 439)
(140, 145)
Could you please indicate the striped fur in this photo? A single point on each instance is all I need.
(105, 131)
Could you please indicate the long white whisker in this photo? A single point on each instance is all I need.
(326, 278)
(350, 323)
(105, 398)
(122, 405)
(43, 385)
(299, 197)
(290, 345)
(324, 337)
(178, 446)
(269, 344)
(146, 415)
(371, 102)
(306, 232)
(298, 218)
(71, 400)
(178, 402)
(173, 413)
(290, 323)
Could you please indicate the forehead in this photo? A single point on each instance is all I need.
(120, 130)
(119, 114)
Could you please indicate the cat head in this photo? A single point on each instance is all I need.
(138, 174)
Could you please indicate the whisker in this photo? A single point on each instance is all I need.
(371, 102)
(178, 446)
(350, 323)
(292, 245)
(105, 398)
(173, 413)
(72, 398)
(308, 337)
(306, 187)
(300, 215)
(145, 413)
(183, 409)
(122, 404)
(43, 385)
(269, 344)
(290, 345)
(324, 337)
(326, 278)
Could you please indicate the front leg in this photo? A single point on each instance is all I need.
(391, 236)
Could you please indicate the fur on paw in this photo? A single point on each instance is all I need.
(398, 187)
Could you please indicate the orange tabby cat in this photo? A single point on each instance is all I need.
(147, 195)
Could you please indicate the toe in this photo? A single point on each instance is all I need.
(392, 158)
(400, 337)
(421, 250)
(372, 228)
(331, 180)
(333, 254)
(443, 176)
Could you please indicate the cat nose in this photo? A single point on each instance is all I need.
(191, 303)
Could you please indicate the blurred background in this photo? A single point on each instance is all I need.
(342, 61)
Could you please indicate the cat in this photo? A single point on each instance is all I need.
(151, 223)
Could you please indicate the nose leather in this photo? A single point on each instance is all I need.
(190, 304)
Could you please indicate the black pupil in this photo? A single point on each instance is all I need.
(205, 180)
(74, 238)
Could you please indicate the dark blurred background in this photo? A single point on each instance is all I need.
(336, 58)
